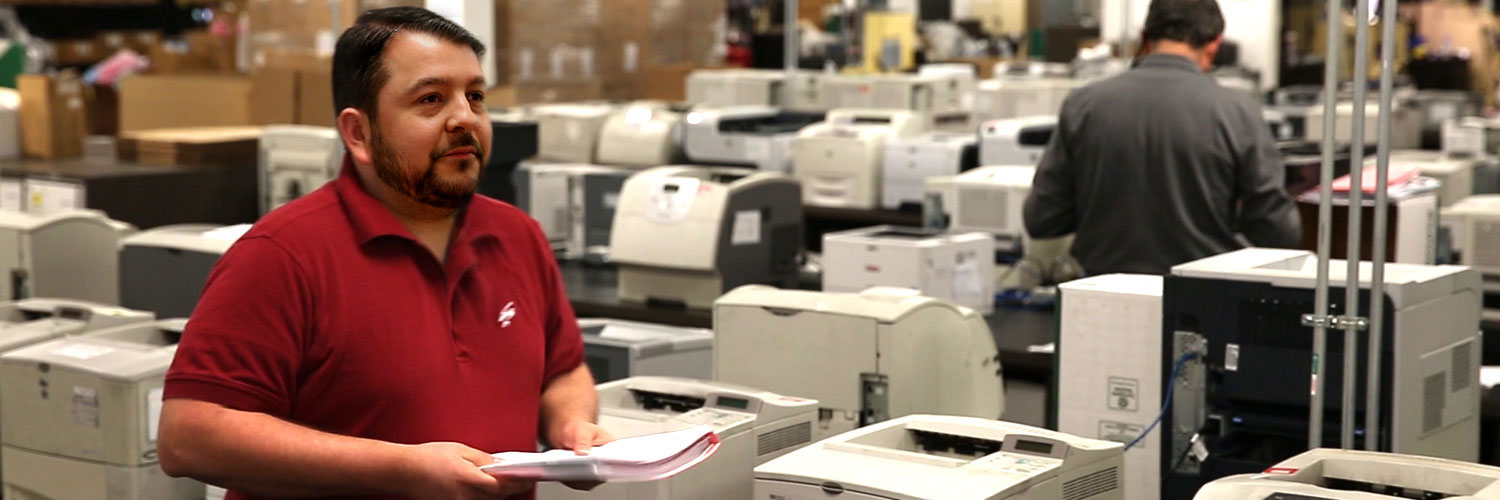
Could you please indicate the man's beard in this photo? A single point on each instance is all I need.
(426, 189)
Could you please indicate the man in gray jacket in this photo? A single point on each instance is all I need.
(1160, 165)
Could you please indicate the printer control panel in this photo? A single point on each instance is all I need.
(718, 419)
(1028, 465)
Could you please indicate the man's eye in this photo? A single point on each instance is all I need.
(429, 98)
(477, 96)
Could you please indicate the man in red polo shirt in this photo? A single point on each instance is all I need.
(382, 335)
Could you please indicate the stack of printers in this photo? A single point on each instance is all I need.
(754, 136)
(1360, 475)
(573, 203)
(163, 270)
(839, 161)
(899, 353)
(1455, 174)
(1011, 96)
(1015, 141)
(754, 426)
(642, 134)
(569, 133)
(927, 457)
(988, 199)
(67, 255)
(617, 349)
(956, 267)
(1478, 139)
(1435, 107)
(909, 162)
(737, 87)
(80, 416)
(295, 160)
(728, 227)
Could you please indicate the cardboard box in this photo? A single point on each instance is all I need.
(80, 52)
(315, 97)
(194, 52)
(52, 115)
(188, 100)
(191, 146)
(273, 95)
(103, 105)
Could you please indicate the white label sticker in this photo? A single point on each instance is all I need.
(153, 413)
(49, 197)
(11, 197)
(967, 281)
(1119, 432)
(746, 228)
(85, 407)
(82, 351)
(1124, 394)
(1232, 357)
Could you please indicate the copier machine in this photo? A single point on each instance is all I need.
(956, 267)
(1329, 474)
(641, 135)
(922, 457)
(70, 255)
(1241, 314)
(81, 415)
(1015, 141)
(988, 199)
(736, 87)
(573, 203)
(754, 426)
(569, 133)
(898, 353)
(617, 349)
(909, 162)
(296, 160)
(163, 270)
(753, 136)
(839, 161)
(727, 227)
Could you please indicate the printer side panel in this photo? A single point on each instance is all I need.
(76, 259)
(13, 269)
(766, 254)
(1437, 371)
(938, 362)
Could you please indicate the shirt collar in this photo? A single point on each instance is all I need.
(1170, 61)
(371, 219)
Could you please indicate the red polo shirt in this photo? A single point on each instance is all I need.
(330, 314)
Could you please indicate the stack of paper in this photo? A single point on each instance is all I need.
(644, 458)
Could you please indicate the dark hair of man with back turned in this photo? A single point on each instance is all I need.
(358, 71)
(1194, 22)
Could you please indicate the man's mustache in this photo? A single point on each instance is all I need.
(467, 140)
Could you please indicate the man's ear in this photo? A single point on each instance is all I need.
(354, 126)
(1210, 51)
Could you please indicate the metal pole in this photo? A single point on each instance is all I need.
(1325, 215)
(1377, 273)
(1356, 213)
(790, 32)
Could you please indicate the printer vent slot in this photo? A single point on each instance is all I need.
(783, 438)
(1434, 398)
(982, 208)
(1098, 483)
(1463, 366)
(1486, 235)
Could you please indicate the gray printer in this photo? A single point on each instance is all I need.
(163, 270)
(618, 349)
(574, 204)
(73, 254)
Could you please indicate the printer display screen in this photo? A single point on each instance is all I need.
(736, 403)
(1036, 447)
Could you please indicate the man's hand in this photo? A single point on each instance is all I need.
(450, 471)
(581, 436)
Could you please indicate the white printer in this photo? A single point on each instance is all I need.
(1015, 141)
(1109, 380)
(923, 457)
(1456, 173)
(569, 133)
(163, 270)
(1017, 96)
(910, 161)
(1360, 475)
(1406, 123)
(736, 87)
(29, 321)
(10, 124)
(1471, 136)
(956, 92)
(803, 93)
(643, 134)
(617, 349)
(71, 255)
(753, 426)
(573, 203)
(839, 161)
(988, 199)
(296, 160)
(727, 227)
(1475, 226)
(956, 267)
(80, 414)
(897, 353)
(918, 93)
(754, 136)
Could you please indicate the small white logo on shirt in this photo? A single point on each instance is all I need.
(507, 313)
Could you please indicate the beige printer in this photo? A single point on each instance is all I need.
(80, 415)
(685, 235)
(1327, 474)
(643, 134)
(736, 87)
(296, 160)
(841, 160)
(1475, 226)
(866, 357)
(29, 321)
(569, 133)
(72, 255)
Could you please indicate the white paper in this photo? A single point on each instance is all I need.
(82, 351)
(153, 413)
(643, 458)
(48, 197)
(966, 277)
(746, 229)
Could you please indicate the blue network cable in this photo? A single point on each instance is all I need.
(1167, 402)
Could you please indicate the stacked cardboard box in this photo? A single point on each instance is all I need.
(190, 146)
(185, 100)
(53, 118)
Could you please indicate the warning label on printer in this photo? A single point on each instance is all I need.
(1124, 394)
(1119, 432)
(85, 407)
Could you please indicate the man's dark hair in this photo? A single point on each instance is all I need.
(358, 70)
(1194, 22)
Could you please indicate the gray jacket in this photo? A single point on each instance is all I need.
(1160, 166)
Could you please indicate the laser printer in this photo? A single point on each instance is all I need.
(296, 160)
(839, 160)
(1454, 173)
(1475, 227)
(988, 199)
(569, 133)
(1360, 475)
(899, 353)
(956, 267)
(643, 134)
(574, 204)
(923, 457)
(1017, 96)
(752, 136)
(29, 321)
(736, 87)
(1406, 123)
(1471, 136)
(727, 227)
(1241, 314)
(919, 93)
(1015, 141)
(1435, 107)
(81, 415)
(753, 426)
(1108, 369)
(616, 349)
(163, 270)
(68, 255)
(909, 162)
